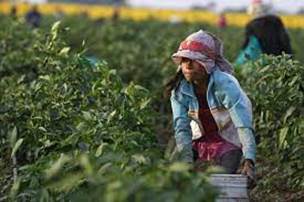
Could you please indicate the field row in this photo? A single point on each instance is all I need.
(140, 14)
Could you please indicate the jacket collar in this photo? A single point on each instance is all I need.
(187, 88)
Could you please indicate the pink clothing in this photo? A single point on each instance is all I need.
(210, 146)
(222, 22)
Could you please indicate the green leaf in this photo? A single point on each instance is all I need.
(45, 77)
(115, 185)
(282, 138)
(111, 116)
(54, 30)
(71, 139)
(215, 169)
(55, 26)
(288, 113)
(13, 136)
(67, 183)
(112, 72)
(15, 188)
(16, 146)
(85, 162)
(104, 168)
(64, 51)
(295, 78)
(139, 158)
(81, 126)
(87, 115)
(179, 167)
(54, 169)
(21, 79)
(141, 88)
(42, 129)
(145, 103)
(100, 149)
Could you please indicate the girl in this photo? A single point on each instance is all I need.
(212, 115)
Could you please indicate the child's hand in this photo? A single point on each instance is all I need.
(249, 170)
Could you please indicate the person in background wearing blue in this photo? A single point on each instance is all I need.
(264, 34)
(212, 115)
(33, 17)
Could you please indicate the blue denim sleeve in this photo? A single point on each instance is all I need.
(236, 101)
(248, 143)
(183, 134)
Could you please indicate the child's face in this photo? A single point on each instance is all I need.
(192, 70)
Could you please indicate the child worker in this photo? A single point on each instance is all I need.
(212, 116)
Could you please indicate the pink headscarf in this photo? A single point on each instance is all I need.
(204, 48)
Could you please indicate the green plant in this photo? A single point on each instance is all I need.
(275, 85)
(75, 131)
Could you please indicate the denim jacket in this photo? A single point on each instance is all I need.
(231, 110)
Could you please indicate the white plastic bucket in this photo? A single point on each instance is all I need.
(232, 188)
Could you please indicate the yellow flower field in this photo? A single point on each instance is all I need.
(140, 14)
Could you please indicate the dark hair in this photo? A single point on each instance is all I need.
(173, 83)
(271, 33)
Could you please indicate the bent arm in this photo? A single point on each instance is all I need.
(248, 141)
(183, 134)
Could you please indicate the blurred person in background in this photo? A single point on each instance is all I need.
(212, 115)
(264, 34)
(13, 11)
(222, 21)
(33, 17)
(116, 12)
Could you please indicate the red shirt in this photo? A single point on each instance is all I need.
(211, 146)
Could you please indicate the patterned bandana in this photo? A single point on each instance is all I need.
(205, 49)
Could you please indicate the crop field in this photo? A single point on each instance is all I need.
(83, 116)
(142, 14)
